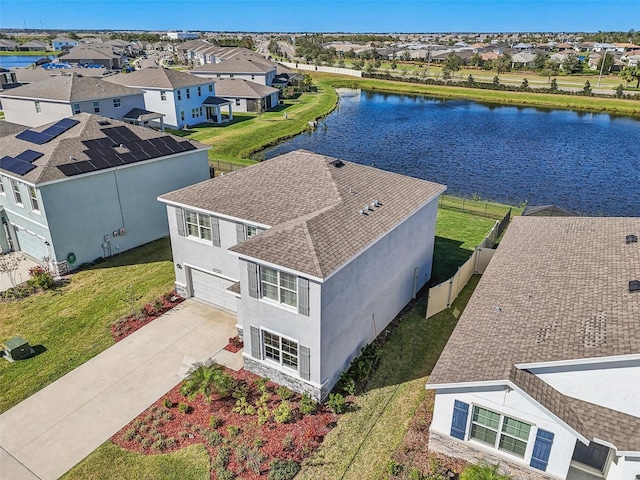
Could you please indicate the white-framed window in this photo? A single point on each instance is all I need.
(198, 225)
(116, 103)
(218, 75)
(163, 95)
(188, 93)
(279, 286)
(253, 77)
(76, 108)
(199, 91)
(281, 350)
(33, 196)
(2, 191)
(17, 196)
(38, 107)
(251, 231)
(499, 431)
(96, 107)
(182, 116)
(179, 93)
(211, 87)
(237, 102)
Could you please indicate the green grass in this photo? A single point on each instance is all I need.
(112, 462)
(366, 437)
(73, 322)
(36, 53)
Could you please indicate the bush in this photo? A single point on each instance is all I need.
(337, 403)
(214, 422)
(236, 342)
(264, 415)
(483, 471)
(233, 430)
(283, 412)
(394, 469)
(208, 379)
(221, 459)
(167, 403)
(283, 469)
(243, 407)
(184, 408)
(307, 405)
(360, 370)
(41, 278)
(283, 392)
(130, 434)
(213, 437)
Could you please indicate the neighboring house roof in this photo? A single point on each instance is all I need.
(64, 40)
(546, 211)
(8, 43)
(312, 203)
(37, 74)
(239, 88)
(70, 88)
(158, 77)
(523, 57)
(8, 128)
(89, 143)
(90, 53)
(236, 65)
(34, 44)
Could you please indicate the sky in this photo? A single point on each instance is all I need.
(385, 16)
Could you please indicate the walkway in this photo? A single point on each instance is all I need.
(21, 275)
(49, 432)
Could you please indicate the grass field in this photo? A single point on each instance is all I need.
(37, 53)
(71, 324)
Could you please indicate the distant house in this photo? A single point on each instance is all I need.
(7, 45)
(253, 70)
(63, 43)
(522, 60)
(184, 99)
(315, 269)
(95, 55)
(86, 187)
(33, 75)
(7, 79)
(61, 96)
(33, 45)
(542, 372)
(183, 35)
(247, 96)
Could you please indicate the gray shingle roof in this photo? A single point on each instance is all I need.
(70, 88)
(94, 52)
(158, 77)
(312, 206)
(59, 150)
(38, 74)
(239, 88)
(236, 65)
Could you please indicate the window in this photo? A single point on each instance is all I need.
(76, 108)
(38, 108)
(498, 431)
(279, 286)
(251, 231)
(199, 91)
(232, 75)
(116, 103)
(211, 87)
(2, 192)
(253, 77)
(16, 192)
(188, 93)
(182, 116)
(179, 93)
(280, 350)
(237, 102)
(198, 225)
(34, 199)
(163, 95)
(96, 107)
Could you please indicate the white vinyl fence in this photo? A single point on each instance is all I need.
(319, 68)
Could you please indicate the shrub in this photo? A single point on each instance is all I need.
(183, 434)
(287, 442)
(213, 437)
(145, 443)
(41, 278)
(158, 304)
(394, 469)
(264, 415)
(337, 403)
(214, 422)
(253, 459)
(224, 474)
(361, 369)
(483, 471)
(261, 383)
(221, 459)
(171, 442)
(184, 408)
(283, 412)
(168, 416)
(167, 403)
(236, 342)
(129, 434)
(159, 445)
(208, 379)
(144, 428)
(283, 392)
(243, 407)
(258, 442)
(283, 469)
(233, 430)
(307, 405)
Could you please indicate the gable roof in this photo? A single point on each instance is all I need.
(93, 52)
(312, 206)
(236, 65)
(70, 88)
(239, 88)
(78, 144)
(158, 77)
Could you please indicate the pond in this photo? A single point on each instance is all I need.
(584, 162)
(12, 61)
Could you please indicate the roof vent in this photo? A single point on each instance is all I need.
(337, 163)
(634, 286)
(104, 123)
(631, 239)
(363, 212)
(376, 203)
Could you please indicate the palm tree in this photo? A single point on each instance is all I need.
(629, 74)
(207, 380)
(452, 64)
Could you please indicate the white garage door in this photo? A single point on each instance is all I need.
(31, 245)
(212, 289)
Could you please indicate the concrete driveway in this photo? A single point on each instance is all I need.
(21, 275)
(49, 432)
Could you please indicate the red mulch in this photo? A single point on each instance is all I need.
(291, 441)
(127, 325)
(229, 347)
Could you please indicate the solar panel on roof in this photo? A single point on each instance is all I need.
(99, 163)
(186, 146)
(67, 123)
(15, 165)
(84, 166)
(128, 157)
(128, 134)
(171, 143)
(33, 137)
(29, 156)
(140, 155)
(53, 131)
(113, 160)
(69, 169)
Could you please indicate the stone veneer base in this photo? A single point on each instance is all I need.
(280, 378)
(453, 447)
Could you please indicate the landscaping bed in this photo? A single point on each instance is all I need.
(254, 424)
(125, 326)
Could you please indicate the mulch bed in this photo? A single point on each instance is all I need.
(240, 436)
(124, 327)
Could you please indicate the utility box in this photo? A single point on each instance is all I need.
(16, 348)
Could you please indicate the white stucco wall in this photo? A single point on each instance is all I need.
(625, 468)
(515, 405)
(578, 381)
(23, 111)
(360, 300)
(107, 108)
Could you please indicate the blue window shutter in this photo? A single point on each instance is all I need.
(459, 420)
(305, 363)
(240, 234)
(180, 221)
(215, 231)
(541, 450)
(303, 296)
(252, 270)
(256, 347)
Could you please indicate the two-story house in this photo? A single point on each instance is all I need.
(253, 69)
(85, 187)
(315, 255)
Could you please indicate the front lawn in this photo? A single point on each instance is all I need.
(71, 324)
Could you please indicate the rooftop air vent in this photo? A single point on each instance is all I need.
(631, 239)
(337, 163)
(634, 286)
(104, 123)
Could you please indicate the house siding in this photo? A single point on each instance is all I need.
(171, 107)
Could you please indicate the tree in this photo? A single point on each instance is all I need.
(607, 58)
(406, 56)
(572, 64)
(525, 84)
(540, 60)
(207, 380)
(452, 64)
(9, 265)
(73, 36)
(394, 64)
(553, 86)
(475, 60)
(370, 68)
(629, 74)
(587, 88)
(470, 80)
(496, 81)
(502, 63)
(307, 82)
(619, 91)
(550, 69)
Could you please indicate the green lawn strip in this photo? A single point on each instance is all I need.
(35, 53)
(112, 462)
(479, 207)
(364, 440)
(544, 100)
(73, 321)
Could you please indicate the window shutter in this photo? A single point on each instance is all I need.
(256, 348)
(252, 269)
(303, 296)
(459, 420)
(240, 234)
(541, 450)
(215, 231)
(305, 363)
(180, 221)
